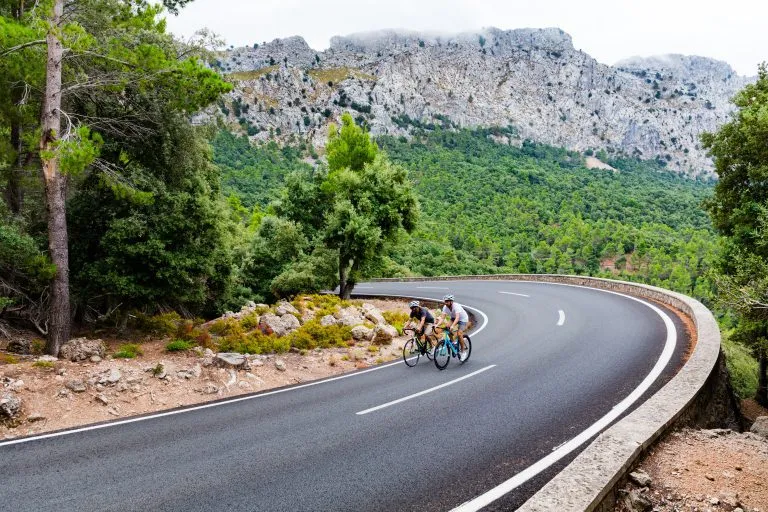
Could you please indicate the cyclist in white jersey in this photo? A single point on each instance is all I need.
(459, 320)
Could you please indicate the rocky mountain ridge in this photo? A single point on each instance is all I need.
(532, 83)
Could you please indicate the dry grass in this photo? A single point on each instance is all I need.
(337, 75)
(251, 75)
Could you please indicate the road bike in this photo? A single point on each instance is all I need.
(415, 348)
(448, 348)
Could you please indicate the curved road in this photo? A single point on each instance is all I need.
(550, 361)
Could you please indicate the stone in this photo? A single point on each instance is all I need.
(361, 332)
(640, 478)
(110, 377)
(95, 359)
(102, 399)
(280, 365)
(272, 324)
(19, 346)
(47, 358)
(285, 308)
(328, 320)
(290, 323)
(760, 426)
(10, 405)
(383, 334)
(80, 349)
(16, 385)
(34, 417)
(210, 389)
(709, 477)
(373, 314)
(231, 360)
(349, 316)
(637, 502)
(77, 386)
(244, 385)
(63, 393)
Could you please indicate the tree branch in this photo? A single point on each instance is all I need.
(21, 47)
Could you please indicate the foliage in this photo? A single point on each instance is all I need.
(742, 366)
(45, 365)
(396, 319)
(179, 346)
(127, 351)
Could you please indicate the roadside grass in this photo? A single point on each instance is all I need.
(742, 367)
(45, 365)
(127, 351)
(8, 359)
(179, 346)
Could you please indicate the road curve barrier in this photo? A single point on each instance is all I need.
(590, 481)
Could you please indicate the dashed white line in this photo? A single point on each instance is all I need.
(431, 288)
(420, 393)
(561, 320)
(513, 293)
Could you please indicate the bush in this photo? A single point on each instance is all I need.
(397, 319)
(742, 367)
(128, 351)
(8, 359)
(43, 364)
(165, 324)
(179, 346)
(253, 343)
(312, 335)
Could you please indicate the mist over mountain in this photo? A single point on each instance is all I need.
(531, 82)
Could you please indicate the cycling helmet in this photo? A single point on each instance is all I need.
(414, 304)
(448, 297)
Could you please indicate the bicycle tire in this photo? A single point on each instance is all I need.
(468, 344)
(442, 355)
(411, 353)
(429, 346)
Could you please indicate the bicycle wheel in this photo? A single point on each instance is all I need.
(429, 344)
(411, 352)
(468, 347)
(442, 355)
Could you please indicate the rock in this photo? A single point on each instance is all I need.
(760, 426)
(63, 393)
(16, 385)
(280, 365)
(34, 417)
(709, 477)
(272, 324)
(383, 334)
(210, 389)
(328, 320)
(196, 371)
(637, 502)
(102, 399)
(349, 316)
(47, 358)
(19, 346)
(231, 360)
(95, 359)
(285, 308)
(290, 323)
(110, 377)
(640, 478)
(244, 385)
(361, 332)
(10, 405)
(78, 386)
(373, 314)
(208, 353)
(80, 349)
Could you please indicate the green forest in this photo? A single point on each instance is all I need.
(115, 205)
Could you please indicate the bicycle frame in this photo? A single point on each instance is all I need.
(450, 343)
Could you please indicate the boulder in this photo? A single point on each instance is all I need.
(361, 332)
(290, 322)
(78, 386)
(19, 346)
(231, 360)
(80, 349)
(110, 377)
(383, 334)
(640, 478)
(637, 502)
(272, 324)
(373, 314)
(280, 365)
(760, 426)
(349, 316)
(285, 308)
(10, 405)
(328, 320)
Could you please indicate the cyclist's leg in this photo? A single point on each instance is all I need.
(460, 334)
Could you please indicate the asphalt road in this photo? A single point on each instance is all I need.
(550, 361)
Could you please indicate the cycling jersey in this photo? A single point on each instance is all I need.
(420, 313)
(456, 310)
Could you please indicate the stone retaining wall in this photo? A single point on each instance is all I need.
(589, 482)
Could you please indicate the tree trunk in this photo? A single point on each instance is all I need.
(55, 189)
(345, 290)
(762, 379)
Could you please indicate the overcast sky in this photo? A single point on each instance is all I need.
(609, 30)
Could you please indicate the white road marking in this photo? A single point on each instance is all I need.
(420, 393)
(561, 320)
(513, 293)
(536, 468)
(223, 402)
(431, 288)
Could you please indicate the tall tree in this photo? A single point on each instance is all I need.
(739, 211)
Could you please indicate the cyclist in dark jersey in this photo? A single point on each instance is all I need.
(422, 320)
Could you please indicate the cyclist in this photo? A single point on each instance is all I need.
(459, 321)
(422, 320)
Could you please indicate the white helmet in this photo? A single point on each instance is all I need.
(414, 304)
(448, 297)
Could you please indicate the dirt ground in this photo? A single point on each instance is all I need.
(120, 388)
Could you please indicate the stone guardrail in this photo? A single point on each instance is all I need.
(588, 483)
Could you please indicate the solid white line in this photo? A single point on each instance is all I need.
(431, 288)
(420, 393)
(513, 293)
(533, 470)
(561, 320)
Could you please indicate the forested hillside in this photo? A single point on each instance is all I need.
(491, 208)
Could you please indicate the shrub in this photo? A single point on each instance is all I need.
(250, 321)
(742, 367)
(312, 335)
(8, 359)
(128, 351)
(48, 365)
(396, 319)
(179, 346)
(38, 346)
(164, 324)
(157, 369)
